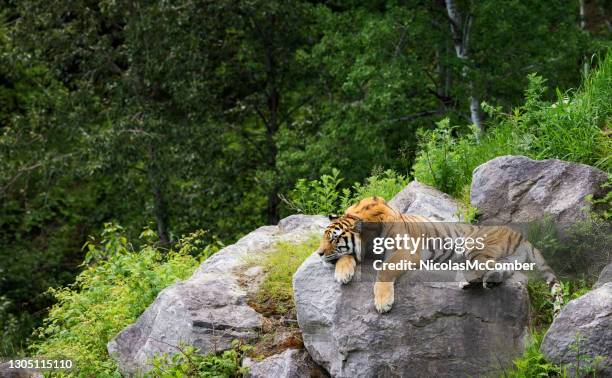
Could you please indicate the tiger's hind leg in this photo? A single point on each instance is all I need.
(474, 277)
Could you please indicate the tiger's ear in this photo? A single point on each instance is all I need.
(358, 227)
(332, 217)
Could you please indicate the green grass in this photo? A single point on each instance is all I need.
(275, 295)
(574, 127)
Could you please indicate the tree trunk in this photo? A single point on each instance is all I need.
(444, 78)
(160, 209)
(460, 31)
(272, 122)
(273, 200)
(585, 63)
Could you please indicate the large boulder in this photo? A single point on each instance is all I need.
(210, 309)
(585, 325)
(433, 329)
(514, 189)
(421, 199)
(292, 363)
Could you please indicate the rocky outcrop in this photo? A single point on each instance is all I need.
(585, 325)
(434, 329)
(514, 189)
(424, 200)
(209, 310)
(292, 363)
(604, 277)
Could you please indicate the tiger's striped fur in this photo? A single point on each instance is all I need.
(341, 244)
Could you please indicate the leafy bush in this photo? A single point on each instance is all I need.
(572, 128)
(532, 363)
(116, 285)
(188, 363)
(385, 184)
(325, 195)
(322, 196)
(275, 294)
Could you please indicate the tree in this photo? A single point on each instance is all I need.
(272, 35)
(139, 75)
(461, 28)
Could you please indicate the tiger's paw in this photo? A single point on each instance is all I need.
(383, 296)
(492, 278)
(345, 269)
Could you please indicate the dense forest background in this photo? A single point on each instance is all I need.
(186, 115)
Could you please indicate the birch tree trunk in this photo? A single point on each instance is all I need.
(585, 63)
(460, 31)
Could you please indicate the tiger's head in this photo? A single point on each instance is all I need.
(341, 238)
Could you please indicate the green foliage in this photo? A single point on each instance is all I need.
(275, 294)
(604, 204)
(569, 129)
(116, 286)
(385, 184)
(532, 363)
(322, 196)
(11, 333)
(188, 363)
(325, 196)
(447, 162)
(541, 299)
(583, 365)
(576, 253)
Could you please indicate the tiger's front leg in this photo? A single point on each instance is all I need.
(384, 290)
(345, 269)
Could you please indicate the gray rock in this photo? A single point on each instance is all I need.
(7, 372)
(292, 363)
(513, 189)
(604, 277)
(433, 329)
(208, 310)
(421, 199)
(588, 318)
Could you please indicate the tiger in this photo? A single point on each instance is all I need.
(341, 246)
